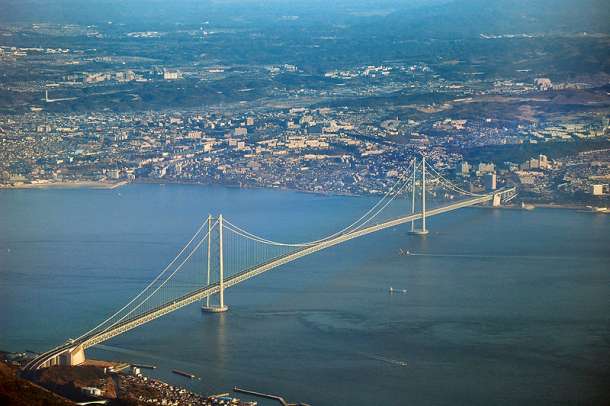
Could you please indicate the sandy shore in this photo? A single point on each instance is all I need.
(66, 185)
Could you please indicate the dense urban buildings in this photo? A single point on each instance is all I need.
(111, 109)
(320, 149)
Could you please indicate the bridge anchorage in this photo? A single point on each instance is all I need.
(221, 255)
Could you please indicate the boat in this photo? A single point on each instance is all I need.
(526, 206)
(186, 374)
(146, 366)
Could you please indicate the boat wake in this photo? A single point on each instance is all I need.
(385, 359)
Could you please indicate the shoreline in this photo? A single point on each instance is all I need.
(543, 206)
(104, 185)
(117, 380)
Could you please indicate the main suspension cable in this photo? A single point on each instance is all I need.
(155, 279)
(393, 191)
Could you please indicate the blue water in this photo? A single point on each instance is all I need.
(502, 307)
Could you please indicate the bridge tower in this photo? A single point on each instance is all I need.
(423, 230)
(413, 195)
(221, 307)
(207, 299)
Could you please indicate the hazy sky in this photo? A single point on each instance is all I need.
(531, 15)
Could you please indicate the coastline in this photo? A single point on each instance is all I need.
(67, 185)
(554, 206)
(537, 206)
(117, 382)
(105, 185)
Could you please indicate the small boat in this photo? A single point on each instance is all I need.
(403, 252)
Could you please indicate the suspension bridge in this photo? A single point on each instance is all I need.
(221, 255)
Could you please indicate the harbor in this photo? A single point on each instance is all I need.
(116, 383)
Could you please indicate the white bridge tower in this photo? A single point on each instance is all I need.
(423, 230)
(221, 307)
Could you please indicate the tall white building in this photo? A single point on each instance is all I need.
(543, 162)
(464, 168)
(171, 75)
(490, 181)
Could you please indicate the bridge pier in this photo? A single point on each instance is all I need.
(71, 357)
(214, 309)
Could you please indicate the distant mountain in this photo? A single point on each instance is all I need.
(428, 18)
(468, 18)
(194, 11)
